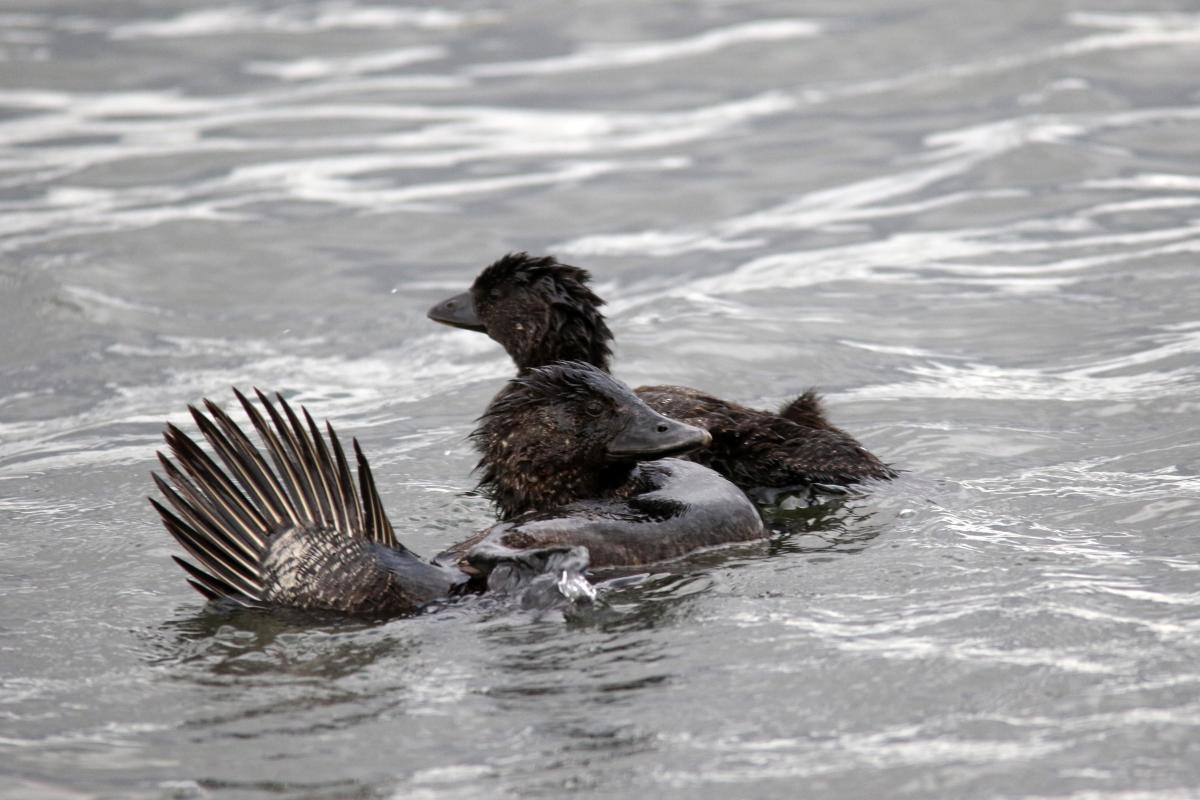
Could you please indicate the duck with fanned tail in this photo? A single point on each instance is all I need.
(541, 310)
(578, 466)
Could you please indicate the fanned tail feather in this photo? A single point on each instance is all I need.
(224, 511)
(807, 410)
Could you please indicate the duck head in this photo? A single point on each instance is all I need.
(568, 431)
(538, 309)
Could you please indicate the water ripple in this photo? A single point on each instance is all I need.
(297, 18)
(597, 57)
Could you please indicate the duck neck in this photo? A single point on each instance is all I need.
(570, 333)
(527, 466)
(516, 493)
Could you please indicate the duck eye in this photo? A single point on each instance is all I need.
(594, 408)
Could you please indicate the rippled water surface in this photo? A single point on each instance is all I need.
(974, 225)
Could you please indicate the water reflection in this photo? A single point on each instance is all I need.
(818, 523)
(346, 789)
(221, 646)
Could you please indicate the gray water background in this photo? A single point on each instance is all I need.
(974, 225)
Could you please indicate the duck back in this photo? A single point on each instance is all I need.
(756, 448)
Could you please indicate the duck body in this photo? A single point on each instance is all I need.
(561, 483)
(539, 309)
(756, 448)
(673, 507)
(569, 455)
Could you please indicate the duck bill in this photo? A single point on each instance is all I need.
(651, 435)
(458, 312)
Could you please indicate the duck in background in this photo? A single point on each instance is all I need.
(577, 465)
(541, 310)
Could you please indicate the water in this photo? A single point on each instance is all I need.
(974, 225)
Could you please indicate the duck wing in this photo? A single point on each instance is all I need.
(295, 531)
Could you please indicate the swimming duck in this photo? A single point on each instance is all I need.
(568, 454)
(590, 480)
(541, 310)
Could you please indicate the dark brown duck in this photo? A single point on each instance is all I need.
(568, 454)
(541, 310)
(559, 477)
